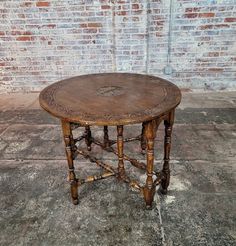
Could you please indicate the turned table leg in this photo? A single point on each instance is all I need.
(149, 188)
(88, 137)
(167, 144)
(120, 146)
(69, 147)
(106, 142)
(143, 140)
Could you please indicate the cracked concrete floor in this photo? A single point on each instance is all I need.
(35, 206)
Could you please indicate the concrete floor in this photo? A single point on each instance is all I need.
(35, 206)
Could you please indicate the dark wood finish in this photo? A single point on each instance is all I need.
(134, 162)
(143, 139)
(120, 146)
(115, 99)
(150, 129)
(101, 164)
(88, 137)
(110, 99)
(168, 122)
(106, 141)
(70, 147)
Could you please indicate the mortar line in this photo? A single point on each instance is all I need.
(114, 67)
(158, 206)
(163, 241)
(147, 37)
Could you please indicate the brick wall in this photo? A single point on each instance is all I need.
(44, 41)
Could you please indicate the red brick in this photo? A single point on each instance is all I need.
(122, 13)
(135, 6)
(206, 15)
(230, 19)
(187, 10)
(21, 33)
(190, 15)
(105, 7)
(51, 25)
(42, 4)
(24, 38)
(48, 26)
(26, 33)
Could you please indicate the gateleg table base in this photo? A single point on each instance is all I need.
(146, 139)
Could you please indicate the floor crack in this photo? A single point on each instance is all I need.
(158, 205)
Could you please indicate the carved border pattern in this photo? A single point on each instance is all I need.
(49, 94)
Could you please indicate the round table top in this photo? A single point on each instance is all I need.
(110, 98)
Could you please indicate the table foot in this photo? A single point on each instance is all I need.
(75, 201)
(163, 191)
(149, 196)
(74, 192)
(149, 207)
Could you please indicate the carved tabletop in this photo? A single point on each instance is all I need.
(110, 99)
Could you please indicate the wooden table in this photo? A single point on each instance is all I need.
(115, 99)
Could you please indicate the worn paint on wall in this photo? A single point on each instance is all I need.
(44, 41)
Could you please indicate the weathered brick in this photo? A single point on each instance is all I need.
(105, 7)
(122, 13)
(42, 4)
(135, 6)
(219, 26)
(206, 15)
(193, 9)
(94, 25)
(24, 38)
(213, 54)
(230, 19)
(26, 4)
(190, 15)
